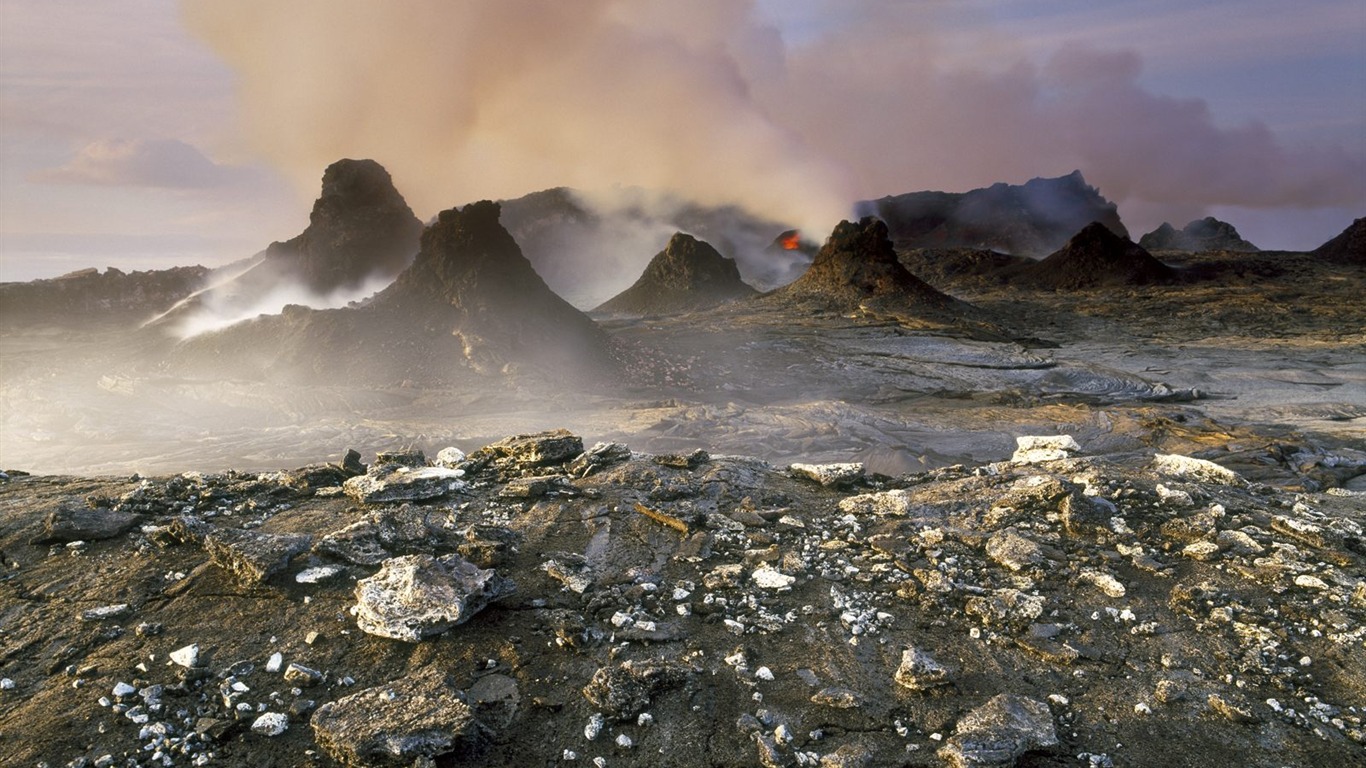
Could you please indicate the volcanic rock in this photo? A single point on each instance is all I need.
(73, 522)
(1093, 258)
(253, 556)
(687, 275)
(400, 723)
(1032, 219)
(1207, 234)
(1348, 247)
(385, 483)
(995, 734)
(857, 271)
(415, 596)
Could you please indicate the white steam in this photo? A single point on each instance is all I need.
(496, 98)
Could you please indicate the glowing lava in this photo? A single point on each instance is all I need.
(791, 241)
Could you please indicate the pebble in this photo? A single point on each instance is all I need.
(187, 657)
(270, 724)
(316, 575)
(6, 684)
(123, 690)
(277, 659)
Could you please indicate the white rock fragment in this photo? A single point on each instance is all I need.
(1032, 449)
(6, 684)
(593, 729)
(1173, 497)
(123, 690)
(896, 503)
(1187, 468)
(187, 656)
(276, 660)
(763, 673)
(105, 612)
(318, 574)
(1105, 583)
(624, 741)
(1310, 582)
(449, 458)
(768, 577)
(829, 474)
(645, 719)
(270, 724)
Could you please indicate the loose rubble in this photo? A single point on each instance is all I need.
(757, 615)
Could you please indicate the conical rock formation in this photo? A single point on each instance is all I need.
(1096, 257)
(687, 275)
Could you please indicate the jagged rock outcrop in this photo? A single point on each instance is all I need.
(857, 271)
(90, 296)
(1348, 247)
(687, 275)
(1031, 219)
(361, 234)
(1093, 258)
(1207, 234)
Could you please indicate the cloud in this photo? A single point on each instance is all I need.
(156, 163)
(495, 99)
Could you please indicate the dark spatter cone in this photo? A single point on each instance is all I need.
(1207, 234)
(360, 226)
(471, 282)
(1096, 257)
(687, 275)
(1348, 247)
(1030, 219)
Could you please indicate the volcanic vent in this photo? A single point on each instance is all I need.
(687, 275)
(857, 270)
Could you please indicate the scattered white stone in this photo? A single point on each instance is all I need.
(123, 690)
(645, 719)
(6, 684)
(768, 577)
(105, 612)
(763, 673)
(1142, 709)
(829, 474)
(1032, 449)
(270, 724)
(1310, 582)
(1105, 583)
(449, 457)
(624, 741)
(594, 727)
(276, 660)
(1174, 497)
(895, 503)
(782, 734)
(570, 755)
(187, 657)
(318, 574)
(1059, 699)
(1185, 467)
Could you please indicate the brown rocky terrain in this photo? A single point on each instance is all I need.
(536, 602)
(1094, 257)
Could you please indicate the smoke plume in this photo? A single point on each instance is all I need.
(496, 98)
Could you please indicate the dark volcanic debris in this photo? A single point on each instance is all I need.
(1130, 610)
(1095, 257)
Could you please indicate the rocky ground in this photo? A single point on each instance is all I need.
(536, 603)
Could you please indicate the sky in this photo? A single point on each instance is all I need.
(152, 133)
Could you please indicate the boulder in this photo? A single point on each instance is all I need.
(253, 556)
(415, 596)
(397, 482)
(400, 723)
(76, 522)
(997, 733)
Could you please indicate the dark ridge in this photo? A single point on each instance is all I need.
(88, 296)
(1349, 247)
(1032, 219)
(961, 267)
(1207, 234)
(1096, 257)
(686, 276)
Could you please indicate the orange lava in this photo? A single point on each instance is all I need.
(792, 242)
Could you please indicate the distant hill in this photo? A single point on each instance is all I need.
(1095, 257)
(1032, 219)
(1207, 234)
(1349, 247)
(89, 297)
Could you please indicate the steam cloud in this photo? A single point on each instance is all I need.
(496, 98)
